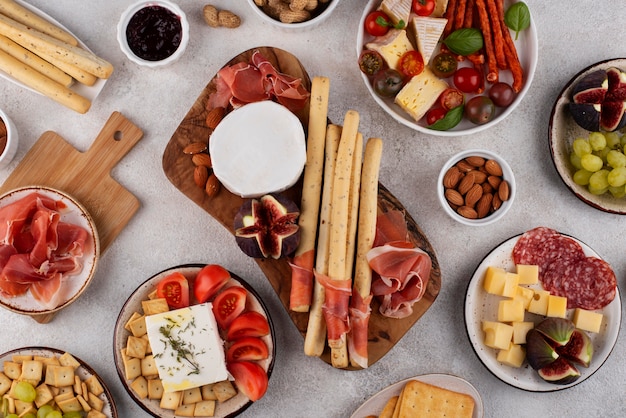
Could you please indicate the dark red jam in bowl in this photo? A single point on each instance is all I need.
(154, 33)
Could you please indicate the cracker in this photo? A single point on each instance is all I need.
(204, 409)
(140, 386)
(387, 411)
(184, 410)
(154, 306)
(5, 384)
(59, 376)
(68, 360)
(93, 385)
(425, 400)
(191, 396)
(224, 390)
(149, 367)
(155, 389)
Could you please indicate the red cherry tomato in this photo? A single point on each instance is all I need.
(247, 349)
(250, 378)
(229, 304)
(411, 63)
(423, 7)
(377, 23)
(174, 288)
(433, 115)
(209, 281)
(451, 98)
(248, 324)
(467, 79)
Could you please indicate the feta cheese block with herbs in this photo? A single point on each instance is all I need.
(187, 347)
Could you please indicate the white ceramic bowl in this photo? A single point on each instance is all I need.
(12, 139)
(318, 17)
(507, 174)
(136, 7)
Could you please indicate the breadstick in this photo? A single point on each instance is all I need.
(304, 257)
(353, 214)
(43, 84)
(21, 14)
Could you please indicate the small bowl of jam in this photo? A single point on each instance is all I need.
(153, 33)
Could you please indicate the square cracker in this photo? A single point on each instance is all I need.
(387, 411)
(425, 400)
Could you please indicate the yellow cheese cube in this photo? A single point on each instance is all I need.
(391, 46)
(557, 306)
(520, 329)
(494, 280)
(511, 281)
(525, 294)
(497, 334)
(513, 357)
(528, 274)
(539, 303)
(587, 320)
(420, 93)
(510, 310)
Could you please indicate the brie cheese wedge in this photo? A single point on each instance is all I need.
(428, 31)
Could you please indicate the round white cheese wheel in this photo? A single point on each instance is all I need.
(257, 149)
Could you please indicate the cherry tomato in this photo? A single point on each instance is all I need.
(388, 83)
(411, 63)
(174, 288)
(209, 281)
(250, 378)
(423, 7)
(377, 23)
(434, 114)
(502, 94)
(467, 79)
(371, 62)
(480, 110)
(248, 349)
(248, 324)
(229, 304)
(444, 65)
(451, 98)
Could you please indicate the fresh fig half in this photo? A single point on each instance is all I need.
(559, 372)
(267, 227)
(579, 349)
(539, 353)
(557, 330)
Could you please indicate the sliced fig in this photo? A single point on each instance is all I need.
(579, 349)
(267, 227)
(559, 372)
(557, 330)
(539, 353)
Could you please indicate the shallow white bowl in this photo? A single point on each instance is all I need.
(130, 12)
(7, 154)
(507, 174)
(309, 24)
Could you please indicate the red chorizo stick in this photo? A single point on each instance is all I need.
(497, 27)
(450, 16)
(492, 68)
(510, 52)
(459, 18)
(469, 14)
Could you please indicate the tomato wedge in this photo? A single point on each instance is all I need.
(229, 304)
(411, 63)
(210, 279)
(248, 324)
(174, 288)
(248, 349)
(250, 378)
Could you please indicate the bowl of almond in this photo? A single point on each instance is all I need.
(293, 14)
(476, 187)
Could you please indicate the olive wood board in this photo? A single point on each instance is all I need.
(383, 332)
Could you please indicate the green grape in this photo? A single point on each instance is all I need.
(12, 416)
(581, 147)
(44, 410)
(602, 153)
(581, 177)
(575, 160)
(591, 162)
(25, 392)
(616, 159)
(612, 140)
(598, 182)
(54, 414)
(617, 177)
(618, 192)
(72, 414)
(597, 140)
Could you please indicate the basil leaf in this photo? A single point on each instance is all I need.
(517, 17)
(449, 121)
(464, 41)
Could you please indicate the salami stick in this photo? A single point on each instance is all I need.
(459, 18)
(510, 52)
(492, 69)
(469, 14)
(498, 39)
(450, 12)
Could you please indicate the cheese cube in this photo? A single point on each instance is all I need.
(520, 329)
(420, 93)
(497, 334)
(525, 294)
(514, 356)
(494, 280)
(539, 303)
(557, 306)
(587, 320)
(510, 310)
(428, 31)
(511, 281)
(391, 46)
(528, 274)
(397, 10)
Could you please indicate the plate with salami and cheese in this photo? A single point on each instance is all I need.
(422, 91)
(539, 277)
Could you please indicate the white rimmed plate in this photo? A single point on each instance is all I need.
(527, 50)
(375, 404)
(479, 306)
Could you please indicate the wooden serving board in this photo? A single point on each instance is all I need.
(384, 332)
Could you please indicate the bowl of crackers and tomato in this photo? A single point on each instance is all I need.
(290, 15)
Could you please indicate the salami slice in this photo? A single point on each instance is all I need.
(530, 245)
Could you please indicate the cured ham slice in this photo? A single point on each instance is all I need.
(335, 308)
(390, 226)
(359, 315)
(302, 279)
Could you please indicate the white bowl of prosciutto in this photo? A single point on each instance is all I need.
(50, 248)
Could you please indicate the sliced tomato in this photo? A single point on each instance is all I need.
(451, 98)
(248, 324)
(434, 114)
(247, 348)
(411, 63)
(210, 279)
(250, 378)
(175, 289)
(228, 305)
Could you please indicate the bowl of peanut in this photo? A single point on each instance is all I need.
(476, 187)
(293, 14)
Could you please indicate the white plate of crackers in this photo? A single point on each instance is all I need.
(83, 389)
(425, 393)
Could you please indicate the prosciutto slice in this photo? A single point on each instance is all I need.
(359, 316)
(302, 279)
(335, 308)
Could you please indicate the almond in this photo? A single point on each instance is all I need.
(494, 181)
(454, 197)
(504, 191)
(212, 186)
(496, 203)
(483, 206)
(467, 212)
(214, 117)
(493, 168)
(479, 176)
(475, 161)
(466, 183)
(202, 159)
(472, 196)
(200, 175)
(195, 148)
(464, 166)
(452, 177)
(487, 188)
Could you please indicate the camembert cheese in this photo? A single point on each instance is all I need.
(397, 10)
(391, 46)
(187, 348)
(420, 93)
(427, 31)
